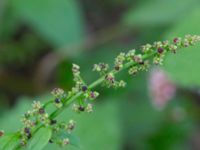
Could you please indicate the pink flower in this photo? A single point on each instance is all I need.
(162, 89)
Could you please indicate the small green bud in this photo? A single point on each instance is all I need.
(57, 92)
(94, 95)
(28, 114)
(70, 126)
(121, 83)
(145, 66)
(75, 108)
(165, 44)
(133, 70)
(36, 105)
(28, 123)
(59, 105)
(120, 58)
(138, 58)
(89, 108)
(157, 44)
(45, 119)
(75, 69)
(101, 67)
(23, 142)
(146, 48)
(130, 55)
(65, 141)
(158, 60)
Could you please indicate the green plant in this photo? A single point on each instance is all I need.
(40, 126)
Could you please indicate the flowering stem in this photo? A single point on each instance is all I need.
(82, 92)
(95, 84)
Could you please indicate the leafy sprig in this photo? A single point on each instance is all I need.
(37, 122)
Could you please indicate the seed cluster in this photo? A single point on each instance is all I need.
(83, 103)
(136, 61)
(59, 96)
(61, 132)
(39, 116)
(31, 119)
(102, 68)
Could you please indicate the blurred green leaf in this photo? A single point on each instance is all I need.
(146, 127)
(2, 8)
(140, 118)
(13, 116)
(170, 136)
(176, 128)
(40, 139)
(9, 142)
(183, 67)
(158, 12)
(8, 20)
(58, 21)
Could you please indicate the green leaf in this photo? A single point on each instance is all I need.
(183, 67)
(13, 116)
(158, 12)
(2, 8)
(40, 139)
(9, 142)
(59, 21)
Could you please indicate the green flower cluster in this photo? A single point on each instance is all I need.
(141, 60)
(38, 117)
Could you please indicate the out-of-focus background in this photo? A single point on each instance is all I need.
(160, 109)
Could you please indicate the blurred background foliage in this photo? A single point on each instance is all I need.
(40, 39)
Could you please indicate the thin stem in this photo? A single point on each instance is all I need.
(48, 103)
